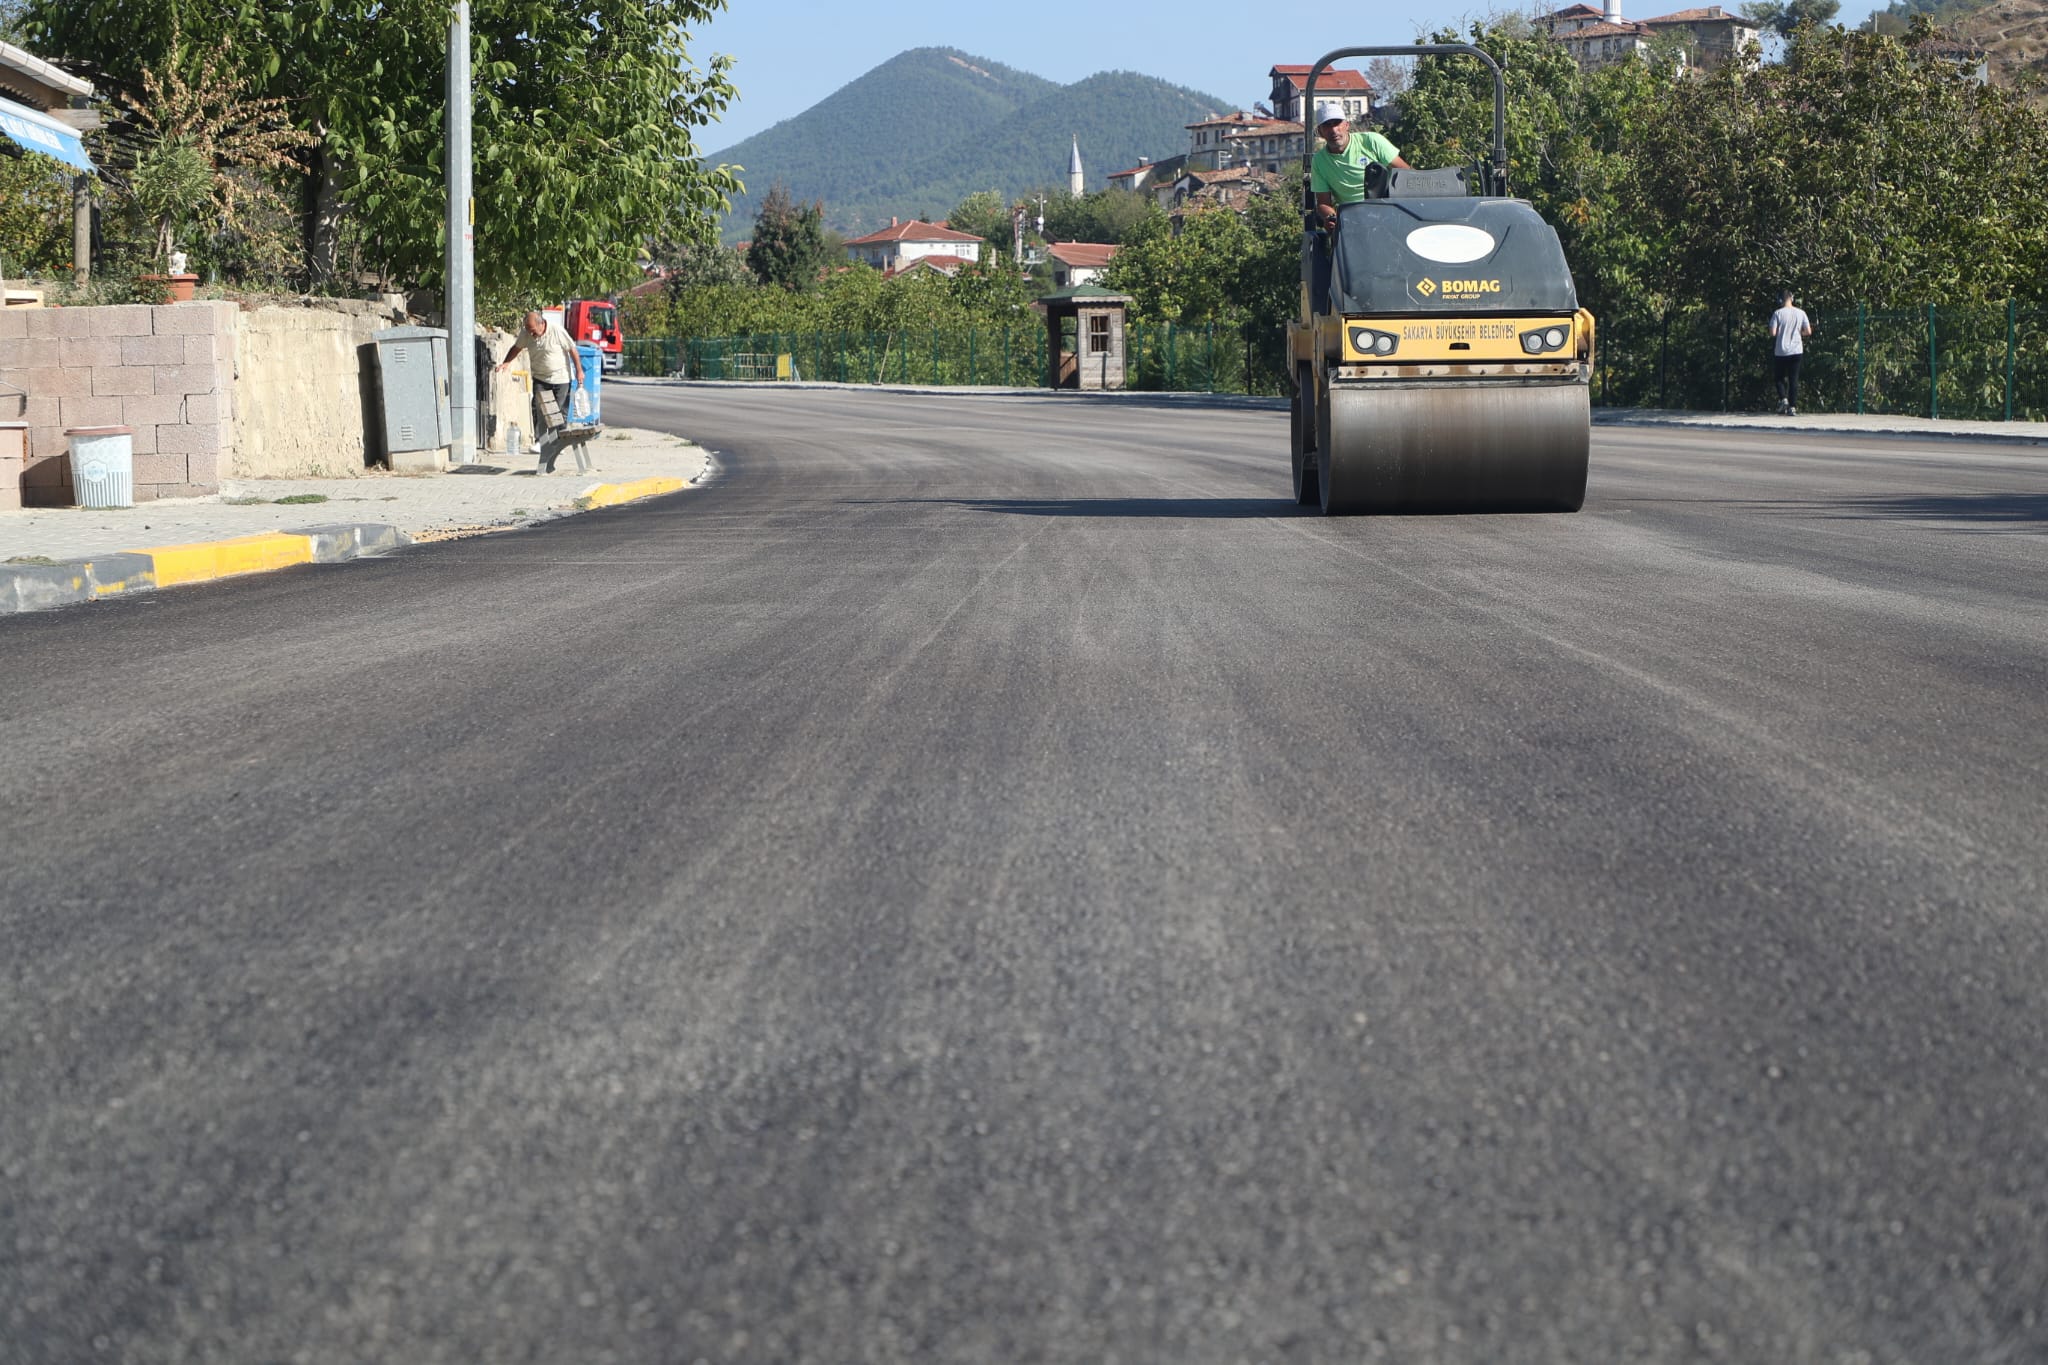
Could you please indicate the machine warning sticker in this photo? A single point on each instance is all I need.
(1453, 290)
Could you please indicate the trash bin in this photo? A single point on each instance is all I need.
(593, 375)
(102, 466)
(412, 375)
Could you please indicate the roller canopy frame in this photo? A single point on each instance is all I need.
(1498, 172)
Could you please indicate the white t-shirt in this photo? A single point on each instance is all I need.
(551, 355)
(1788, 330)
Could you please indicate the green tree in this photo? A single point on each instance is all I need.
(788, 248)
(1862, 168)
(1573, 144)
(984, 214)
(581, 130)
(693, 265)
(35, 213)
(198, 140)
(1787, 17)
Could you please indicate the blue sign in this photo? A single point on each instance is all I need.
(38, 132)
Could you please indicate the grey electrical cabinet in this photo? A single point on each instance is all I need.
(412, 374)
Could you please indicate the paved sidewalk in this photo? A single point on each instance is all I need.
(425, 507)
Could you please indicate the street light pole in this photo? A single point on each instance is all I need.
(459, 295)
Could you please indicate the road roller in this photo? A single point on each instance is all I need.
(1441, 362)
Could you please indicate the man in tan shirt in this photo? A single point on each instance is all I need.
(557, 368)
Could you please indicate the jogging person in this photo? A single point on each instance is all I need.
(1790, 327)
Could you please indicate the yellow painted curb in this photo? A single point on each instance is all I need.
(612, 494)
(177, 564)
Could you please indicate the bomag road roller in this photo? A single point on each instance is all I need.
(1442, 362)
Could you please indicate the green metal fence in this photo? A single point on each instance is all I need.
(1986, 362)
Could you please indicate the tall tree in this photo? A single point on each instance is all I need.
(1815, 174)
(985, 215)
(1572, 144)
(581, 137)
(788, 248)
(1787, 17)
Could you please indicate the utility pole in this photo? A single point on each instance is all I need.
(459, 291)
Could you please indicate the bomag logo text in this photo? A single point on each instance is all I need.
(1469, 286)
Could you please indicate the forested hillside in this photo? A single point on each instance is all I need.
(2013, 33)
(1118, 116)
(918, 133)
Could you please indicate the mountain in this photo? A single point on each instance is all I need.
(930, 126)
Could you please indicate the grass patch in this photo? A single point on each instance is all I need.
(31, 559)
(241, 502)
(298, 498)
(584, 504)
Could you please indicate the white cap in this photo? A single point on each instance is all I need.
(1327, 110)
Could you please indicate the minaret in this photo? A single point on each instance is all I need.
(1076, 183)
(1613, 14)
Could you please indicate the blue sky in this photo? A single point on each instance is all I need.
(790, 54)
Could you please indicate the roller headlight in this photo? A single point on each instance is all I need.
(1555, 337)
(1369, 342)
(1545, 339)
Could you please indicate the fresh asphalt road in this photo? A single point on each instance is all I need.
(988, 879)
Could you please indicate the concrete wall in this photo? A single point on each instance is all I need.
(211, 391)
(306, 395)
(305, 392)
(168, 372)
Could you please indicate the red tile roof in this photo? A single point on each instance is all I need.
(1712, 14)
(1083, 255)
(913, 231)
(945, 265)
(1603, 30)
(1333, 79)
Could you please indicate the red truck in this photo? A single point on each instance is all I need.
(597, 321)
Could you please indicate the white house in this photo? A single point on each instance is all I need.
(1078, 263)
(1348, 88)
(894, 247)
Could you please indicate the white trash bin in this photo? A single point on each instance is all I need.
(102, 466)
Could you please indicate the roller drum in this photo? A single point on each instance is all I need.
(1494, 446)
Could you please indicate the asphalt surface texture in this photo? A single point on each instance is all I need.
(990, 879)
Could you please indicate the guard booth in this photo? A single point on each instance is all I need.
(1084, 337)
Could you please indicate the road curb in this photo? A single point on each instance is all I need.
(37, 587)
(613, 494)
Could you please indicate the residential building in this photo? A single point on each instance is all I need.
(893, 248)
(1267, 144)
(1241, 139)
(1078, 263)
(1231, 188)
(1149, 174)
(1348, 88)
(1710, 35)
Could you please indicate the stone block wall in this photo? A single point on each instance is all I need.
(212, 391)
(167, 372)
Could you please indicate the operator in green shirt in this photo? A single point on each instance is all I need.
(1337, 171)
